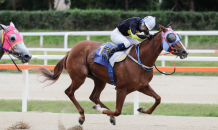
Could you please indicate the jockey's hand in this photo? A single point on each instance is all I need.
(150, 36)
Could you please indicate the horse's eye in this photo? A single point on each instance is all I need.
(12, 38)
(171, 37)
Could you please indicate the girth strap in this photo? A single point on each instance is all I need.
(111, 75)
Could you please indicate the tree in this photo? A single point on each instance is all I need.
(50, 3)
(127, 4)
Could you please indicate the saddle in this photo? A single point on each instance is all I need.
(116, 57)
(124, 55)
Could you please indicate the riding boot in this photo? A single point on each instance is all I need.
(111, 51)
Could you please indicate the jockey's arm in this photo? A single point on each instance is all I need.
(135, 35)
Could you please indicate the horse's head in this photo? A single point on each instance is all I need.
(11, 39)
(171, 41)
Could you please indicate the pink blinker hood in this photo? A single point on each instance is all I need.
(5, 38)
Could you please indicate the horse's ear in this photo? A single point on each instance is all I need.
(4, 27)
(161, 27)
(12, 24)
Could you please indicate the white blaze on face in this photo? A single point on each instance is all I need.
(20, 47)
(183, 46)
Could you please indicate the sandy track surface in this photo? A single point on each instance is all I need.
(178, 89)
(49, 121)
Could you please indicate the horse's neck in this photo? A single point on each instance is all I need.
(148, 55)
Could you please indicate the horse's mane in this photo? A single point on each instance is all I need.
(147, 40)
(144, 41)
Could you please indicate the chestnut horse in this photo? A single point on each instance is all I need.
(129, 76)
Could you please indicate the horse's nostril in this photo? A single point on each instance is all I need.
(184, 52)
(26, 56)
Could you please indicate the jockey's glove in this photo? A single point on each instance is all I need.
(150, 36)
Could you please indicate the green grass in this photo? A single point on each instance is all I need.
(168, 109)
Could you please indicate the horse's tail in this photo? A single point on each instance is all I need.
(57, 71)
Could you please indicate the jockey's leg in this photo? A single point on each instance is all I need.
(121, 41)
(111, 51)
(133, 41)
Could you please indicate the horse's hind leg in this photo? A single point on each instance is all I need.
(150, 92)
(95, 96)
(77, 80)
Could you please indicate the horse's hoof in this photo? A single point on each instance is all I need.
(94, 107)
(140, 109)
(81, 121)
(113, 122)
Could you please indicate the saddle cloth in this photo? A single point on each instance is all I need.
(116, 57)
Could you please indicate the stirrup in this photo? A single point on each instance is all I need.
(105, 55)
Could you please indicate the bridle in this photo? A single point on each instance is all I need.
(172, 50)
(6, 38)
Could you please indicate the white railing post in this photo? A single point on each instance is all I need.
(41, 40)
(45, 60)
(66, 40)
(186, 41)
(136, 102)
(25, 89)
(88, 37)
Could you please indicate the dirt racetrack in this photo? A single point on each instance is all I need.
(49, 121)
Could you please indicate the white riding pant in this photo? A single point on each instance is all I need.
(117, 37)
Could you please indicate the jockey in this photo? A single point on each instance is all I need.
(130, 27)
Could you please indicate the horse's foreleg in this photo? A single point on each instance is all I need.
(121, 95)
(150, 92)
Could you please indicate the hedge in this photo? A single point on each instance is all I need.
(94, 20)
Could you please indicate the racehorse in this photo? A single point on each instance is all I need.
(128, 75)
(11, 41)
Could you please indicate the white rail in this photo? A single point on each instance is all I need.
(160, 58)
(68, 49)
(106, 33)
(45, 50)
